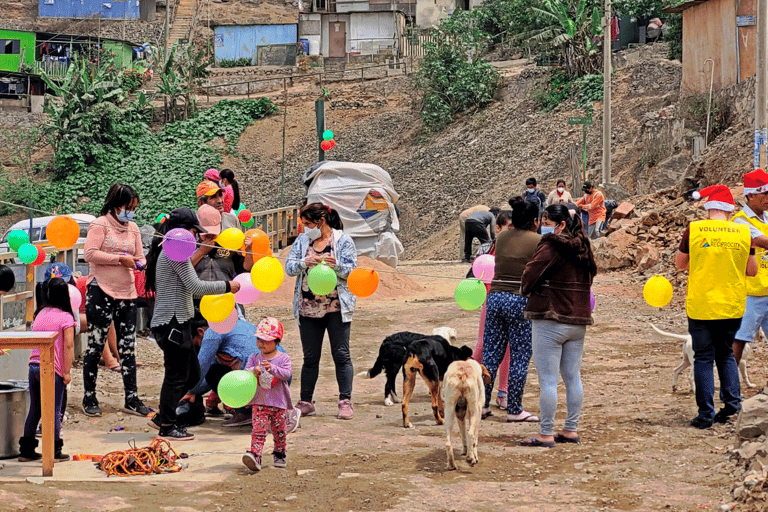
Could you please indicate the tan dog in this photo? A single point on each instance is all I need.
(464, 395)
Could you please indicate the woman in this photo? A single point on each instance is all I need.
(323, 240)
(559, 195)
(174, 284)
(557, 280)
(112, 249)
(231, 189)
(505, 325)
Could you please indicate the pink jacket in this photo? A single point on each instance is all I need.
(107, 240)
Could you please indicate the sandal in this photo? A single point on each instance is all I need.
(560, 438)
(533, 442)
(116, 368)
(523, 417)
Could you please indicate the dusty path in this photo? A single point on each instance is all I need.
(637, 451)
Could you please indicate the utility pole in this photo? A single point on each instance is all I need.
(607, 94)
(167, 23)
(761, 83)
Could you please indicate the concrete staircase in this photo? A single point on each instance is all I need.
(183, 20)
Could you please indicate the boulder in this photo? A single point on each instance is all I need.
(647, 256)
(623, 210)
(753, 418)
(614, 252)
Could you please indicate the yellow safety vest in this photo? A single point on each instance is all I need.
(717, 283)
(757, 286)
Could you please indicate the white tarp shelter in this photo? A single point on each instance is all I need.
(365, 198)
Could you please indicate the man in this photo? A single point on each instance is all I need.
(718, 256)
(534, 195)
(463, 224)
(755, 217)
(478, 225)
(593, 202)
(211, 194)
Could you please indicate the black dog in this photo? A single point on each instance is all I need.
(430, 358)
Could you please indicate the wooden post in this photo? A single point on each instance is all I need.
(282, 161)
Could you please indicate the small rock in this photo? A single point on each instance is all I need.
(351, 475)
(302, 472)
(291, 498)
(379, 415)
(579, 465)
(726, 507)
(146, 430)
(35, 480)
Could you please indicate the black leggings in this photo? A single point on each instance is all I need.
(312, 331)
(182, 369)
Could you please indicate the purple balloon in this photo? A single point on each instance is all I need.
(592, 300)
(179, 244)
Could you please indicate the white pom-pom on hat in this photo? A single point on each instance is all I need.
(695, 195)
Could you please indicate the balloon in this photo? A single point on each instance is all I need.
(363, 281)
(241, 207)
(27, 253)
(591, 300)
(261, 243)
(249, 223)
(17, 238)
(62, 232)
(231, 238)
(161, 218)
(237, 388)
(179, 244)
(322, 279)
(483, 267)
(333, 144)
(657, 291)
(325, 145)
(75, 298)
(267, 274)
(216, 308)
(40, 256)
(327, 135)
(248, 293)
(244, 215)
(227, 325)
(470, 294)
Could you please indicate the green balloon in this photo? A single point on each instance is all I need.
(470, 294)
(241, 207)
(27, 253)
(322, 279)
(237, 388)
(17, 238)
(160, 218)
(249, 224)
(327, 135)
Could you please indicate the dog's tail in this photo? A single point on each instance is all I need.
(376, 369)
(461, 408)
(680, 337)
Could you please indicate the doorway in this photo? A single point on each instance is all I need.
(337, 41)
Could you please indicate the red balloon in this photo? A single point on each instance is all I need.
(40, 256)
(333, 144)
(326, 145)
(245, 215)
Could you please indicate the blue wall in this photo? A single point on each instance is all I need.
(242, 41)
(86, 8)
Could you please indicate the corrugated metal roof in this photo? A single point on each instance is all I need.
(677, 9)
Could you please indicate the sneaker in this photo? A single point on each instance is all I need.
(240, 418)
(91, 406)
(501, 401)
(306, 408)
(137, 407)
(700, 423)
(154, 422)
(252, 461)
(176, 433)
(485, 413)
(292, 423)
(279, 460)
(214, 412)
(724, 414)
(345, 410)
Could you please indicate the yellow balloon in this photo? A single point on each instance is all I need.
(216, 308)
(657, 291)
(231, 238)
(267, 274)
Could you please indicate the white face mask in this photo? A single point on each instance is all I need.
(313, 233)
(560, 189)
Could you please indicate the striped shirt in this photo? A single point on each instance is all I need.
(176, 283)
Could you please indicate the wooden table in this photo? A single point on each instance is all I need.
(44, 342)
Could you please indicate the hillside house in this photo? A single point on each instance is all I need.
(273, 44)
(81, 9)
(721, 30)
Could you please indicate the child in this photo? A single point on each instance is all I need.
(53, 314)
(273, 369)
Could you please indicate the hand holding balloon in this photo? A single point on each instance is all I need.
(330, 261)
(127, 261)
(234, 286)
(267, 365)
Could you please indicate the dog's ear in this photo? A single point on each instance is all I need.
(465, 353)
(486, 375)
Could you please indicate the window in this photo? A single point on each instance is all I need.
(10, 46)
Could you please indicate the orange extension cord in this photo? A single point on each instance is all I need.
(158, 457)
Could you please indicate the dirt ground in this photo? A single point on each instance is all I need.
(637, 450)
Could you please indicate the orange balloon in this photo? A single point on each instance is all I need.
(261, 244)
(62, 232)
(363, 281)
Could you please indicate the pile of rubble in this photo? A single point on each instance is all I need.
(750, 453)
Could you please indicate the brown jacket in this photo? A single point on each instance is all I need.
(557, 281)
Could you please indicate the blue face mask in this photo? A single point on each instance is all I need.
(124, 216)
(547, 230)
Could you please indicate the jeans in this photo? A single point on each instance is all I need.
(312, 331)
(713, 342)
(474, 230)
(35, 403)
(182, 370)
(557, 348)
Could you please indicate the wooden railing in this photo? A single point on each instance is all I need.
(280, 224)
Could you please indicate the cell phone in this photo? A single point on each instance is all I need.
(139, 266)
(175, 336)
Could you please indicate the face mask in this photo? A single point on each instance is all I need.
(221, 184)
(560, 189)
(547, 230)
(531, 190)
(313, 233)
(124, 216)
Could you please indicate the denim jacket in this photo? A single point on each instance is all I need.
(346, 260)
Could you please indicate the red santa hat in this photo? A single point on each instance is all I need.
(719, 198)
(756, 182)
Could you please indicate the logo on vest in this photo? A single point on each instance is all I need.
(718, 242)
(705, 243)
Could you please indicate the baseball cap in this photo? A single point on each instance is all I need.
(587, 186)
(183, 218)
(58, 269)
(212, 174)
(210, 219)
(207, 188)
(269, 329)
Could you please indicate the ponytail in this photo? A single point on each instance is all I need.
(313, 212)
(230, 176)
(574, 227)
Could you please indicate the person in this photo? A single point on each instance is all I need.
(559, 195)
(718, 255)
(228, 194)
(463, 228)
(477, 226)
(503, 221)
(323, 240)
(174, 283)
(110, 354)
(533, 195)
(113, 249)
(231, 188)
(54, 314)
(7, 282)
(557, 282)
(594, 203)
(754, 216)
(211, 194)
(272, 369)
(505, 325)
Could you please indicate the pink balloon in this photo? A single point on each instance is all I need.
(227, 325)
(592, 300)
(483, 267)
(179, 244)
(75, 298)
(248, 293)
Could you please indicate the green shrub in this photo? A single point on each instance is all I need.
(235, 63)
(557, 90)
(674, 36)
(588, 88)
